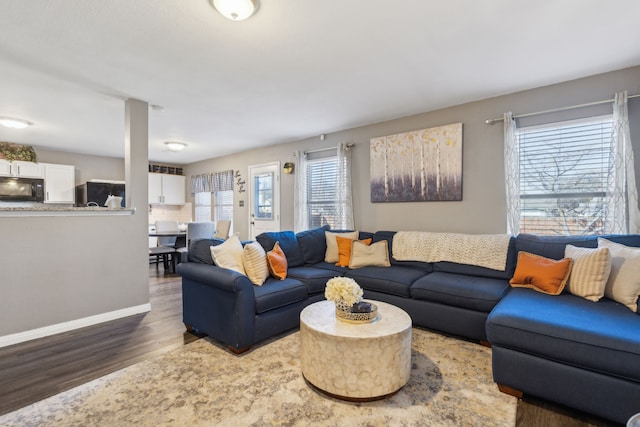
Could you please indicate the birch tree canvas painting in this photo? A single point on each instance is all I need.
(418, 166)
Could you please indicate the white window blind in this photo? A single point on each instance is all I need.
(202, 206)
(321, 192)
(564, 176)
(223, 205)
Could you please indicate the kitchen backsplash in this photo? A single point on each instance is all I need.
(181, 213)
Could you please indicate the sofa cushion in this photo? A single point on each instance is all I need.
(332, 254)
(313, 244)
(395, 280)
(344, 249)
(541, 274)
(288, 244)
(229, 254)
(200, 250)
(254, 260)
(553, 246)
(364, 255)
(458, 290)
(277, 262)
(602, 336)
(278, 293)
(590, 271)
(315, 278)
(388, 236)
(623, 284)
(474, 270)
(336, 269)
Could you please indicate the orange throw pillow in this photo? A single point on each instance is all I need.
(542, 274)
(277, 262)
(344, 250)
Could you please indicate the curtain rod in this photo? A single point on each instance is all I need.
(349, 145)
(588, 104)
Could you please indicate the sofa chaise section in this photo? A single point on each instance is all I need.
(565, 348)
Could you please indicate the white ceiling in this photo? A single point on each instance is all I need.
(297, 68)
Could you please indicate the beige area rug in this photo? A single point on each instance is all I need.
(201, 384)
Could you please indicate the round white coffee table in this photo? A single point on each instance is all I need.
(364, 361)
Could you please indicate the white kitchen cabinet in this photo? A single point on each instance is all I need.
(166, 189)
(59, 183)
(5, 168)
(155, 188)
(22, 169)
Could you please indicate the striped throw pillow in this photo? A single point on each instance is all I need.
(254, 259)
(591, 268)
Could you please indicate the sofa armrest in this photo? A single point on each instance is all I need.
(220, 303)
(216, 277)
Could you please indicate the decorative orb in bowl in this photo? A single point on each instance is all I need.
(346, 315)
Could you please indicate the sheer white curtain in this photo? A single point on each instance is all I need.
(511, 174)
(344, 206)
(300, 219)
(624, 197)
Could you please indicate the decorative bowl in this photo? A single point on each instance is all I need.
(348, 316)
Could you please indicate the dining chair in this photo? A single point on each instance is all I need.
(166, 249)
(197, 230)
(168, 226)
(222, 229)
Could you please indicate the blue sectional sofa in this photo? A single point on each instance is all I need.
(562, 348)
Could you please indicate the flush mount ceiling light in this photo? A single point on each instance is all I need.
(175, 145)
(236, 10)
(14, 123)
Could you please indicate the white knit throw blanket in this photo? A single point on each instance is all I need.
(484, 250)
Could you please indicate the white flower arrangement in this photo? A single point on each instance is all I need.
(343, 289)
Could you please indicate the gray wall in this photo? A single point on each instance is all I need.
(87, 166)
(482, 209)
(63, 268)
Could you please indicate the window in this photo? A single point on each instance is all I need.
(263, 185)
(321, 192)
(564, 177)
(323, 189)
(218, 184)
(223, 205)
(202, 206)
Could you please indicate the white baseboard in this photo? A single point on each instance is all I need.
(46, 331)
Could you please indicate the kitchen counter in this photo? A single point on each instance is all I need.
(51, 210)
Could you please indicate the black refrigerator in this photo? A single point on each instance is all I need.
(95, 192)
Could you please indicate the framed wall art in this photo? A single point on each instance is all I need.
(419, 166)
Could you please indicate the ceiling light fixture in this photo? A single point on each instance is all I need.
(236, 10)
(175, 145)
(14, 123)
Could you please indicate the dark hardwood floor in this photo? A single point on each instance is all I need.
(37, 369)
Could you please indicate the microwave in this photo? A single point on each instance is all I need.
(17, 189)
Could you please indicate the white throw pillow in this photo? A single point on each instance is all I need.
(623, 285)
(331, 255)
(254, 259)
(228, 254)
(590, 271)
(373, 255)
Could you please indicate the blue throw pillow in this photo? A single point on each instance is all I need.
(313, 244)
(200, 250)
(288, 244)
